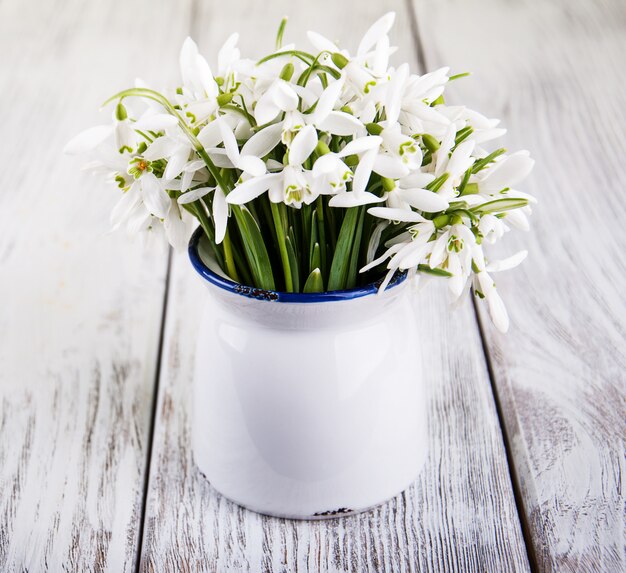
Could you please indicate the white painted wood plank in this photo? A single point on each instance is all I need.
(81, 311)
(460, 515)
(554, 72)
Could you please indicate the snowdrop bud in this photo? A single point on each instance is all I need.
(441, 221)
(388, 184)
(430, 142)
(374, 129)
(470, 189)
(456, 220)
(339, 60)
(224, 99)
(321, 148)
(120, 112)
(287, 72)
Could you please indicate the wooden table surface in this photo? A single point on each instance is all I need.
(526, 465)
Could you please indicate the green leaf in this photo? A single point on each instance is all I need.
(293, 263)
(315, 282)
(458, 76)
(353, 269)
(341, 258)
(322, 234)
(316, 257)
(255, 248)
(313, 240)
(482, 163)
(436, 272)
(279, 228)
(436, 184)
(500, 205)
(280, 33)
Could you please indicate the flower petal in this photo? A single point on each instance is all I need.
(403, 215)
(390, 251)
(322, 43)
(220, 214)
(88, 140)
(251, 189)
(378, 29)
(194, 195)
(155, 122)
(363, 171)
(461, 159)
(424, 200)
(176, 163)
(340, 123)
(328, 164)
(508, 172)
(302, 145)
(252, 165)
(284, 96)
(156, 200)
(230, 143)
(327, 101)
(497, 311)
(360, 145)
(161, 147)
(395, 91)
(438, 254)
(390, 166)
(265, 109)
(508, 263)
(352, 199)
(219, 157)
(262, 142)
(175, 227)
(228, 54)
(129, 200)
(210, 135)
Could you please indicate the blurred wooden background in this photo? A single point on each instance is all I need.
(97, 334)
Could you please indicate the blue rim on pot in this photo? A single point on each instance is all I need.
(276, 296)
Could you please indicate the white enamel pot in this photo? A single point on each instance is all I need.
(307, 405)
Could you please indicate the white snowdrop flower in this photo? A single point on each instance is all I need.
(317, 132)
(199, 90)
(330, 175)
(453, 251)
(491, 228)
(177, 227)
(408, 192)
(358, 195)
(505, 173)
(280, 96)
(292, 185)
(484, 287)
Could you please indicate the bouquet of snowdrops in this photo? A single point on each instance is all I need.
(316, 171)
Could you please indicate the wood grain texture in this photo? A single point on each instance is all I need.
(460, 515)
(81, 312)
(554, 72)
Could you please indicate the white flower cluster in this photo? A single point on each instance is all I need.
(300, 126)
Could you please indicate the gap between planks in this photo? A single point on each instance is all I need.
(153, 410)
(519, 502)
